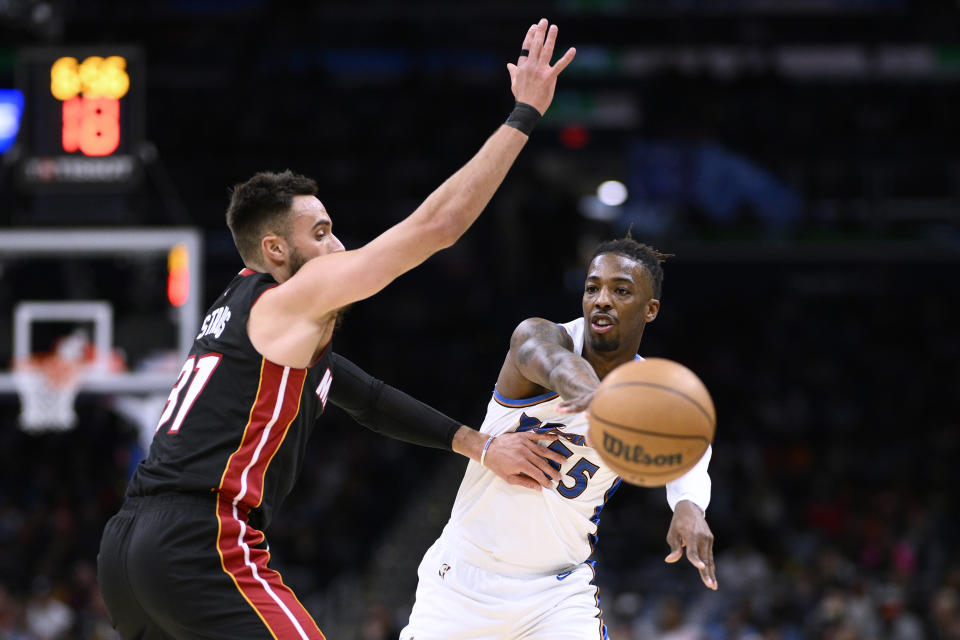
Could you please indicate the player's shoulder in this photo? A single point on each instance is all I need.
(574, 328)
(534, 331)
(251, 277)
(537, 328)
(244, 290)
(247, 282)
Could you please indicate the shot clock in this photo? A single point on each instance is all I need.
(83, 118)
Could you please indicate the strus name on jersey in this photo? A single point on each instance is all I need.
(215, 322)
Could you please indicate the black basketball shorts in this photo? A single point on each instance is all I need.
(189, 566)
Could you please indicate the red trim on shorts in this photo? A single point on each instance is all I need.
(262, 587)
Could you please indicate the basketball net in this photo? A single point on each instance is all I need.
(47, 385)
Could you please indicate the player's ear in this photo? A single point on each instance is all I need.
(274, 249)
(651, 311)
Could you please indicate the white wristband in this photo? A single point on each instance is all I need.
(483, 454)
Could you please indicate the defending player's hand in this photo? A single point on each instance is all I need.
(533, 78)
(689, 529)
(519, 459)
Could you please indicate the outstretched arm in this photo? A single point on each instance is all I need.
(518, 458)
(329, 282)
(541, 358)
(390, 412)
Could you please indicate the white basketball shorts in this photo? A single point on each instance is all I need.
(458, 601)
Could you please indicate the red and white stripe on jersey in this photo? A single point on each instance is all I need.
(241, 487)
(276, 405)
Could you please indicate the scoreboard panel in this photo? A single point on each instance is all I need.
(83, 118)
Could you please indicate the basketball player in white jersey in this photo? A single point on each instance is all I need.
(512, 564)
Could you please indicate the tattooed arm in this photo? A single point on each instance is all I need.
(541, 359)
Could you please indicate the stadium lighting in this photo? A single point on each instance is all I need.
(612, 193)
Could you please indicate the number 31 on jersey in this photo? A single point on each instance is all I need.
(194, 376)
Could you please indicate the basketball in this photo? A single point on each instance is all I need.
(651, 421)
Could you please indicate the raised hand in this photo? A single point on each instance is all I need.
(533, 78)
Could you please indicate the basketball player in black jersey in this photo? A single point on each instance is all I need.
(186, 556)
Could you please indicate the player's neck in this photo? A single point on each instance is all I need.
(603, 362)
(279, 273)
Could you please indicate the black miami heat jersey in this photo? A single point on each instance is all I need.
(235, 423)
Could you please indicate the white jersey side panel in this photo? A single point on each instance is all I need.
(516, 531)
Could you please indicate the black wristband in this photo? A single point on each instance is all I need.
(523, 117)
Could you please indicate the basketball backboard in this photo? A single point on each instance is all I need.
(134, 294)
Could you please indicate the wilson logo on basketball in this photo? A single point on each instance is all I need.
(619, 449)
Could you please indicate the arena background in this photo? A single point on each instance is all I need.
(799, 158)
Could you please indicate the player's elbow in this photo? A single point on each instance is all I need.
(450, 220)
(441, 231)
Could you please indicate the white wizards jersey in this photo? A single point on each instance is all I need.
(516, 531)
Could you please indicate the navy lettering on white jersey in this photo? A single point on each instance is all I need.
(488, 513)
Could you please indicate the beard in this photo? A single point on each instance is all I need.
(602, 344)
(296, 260)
